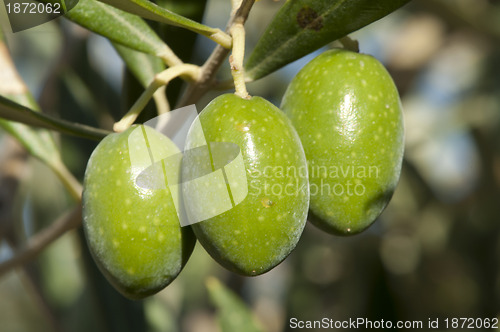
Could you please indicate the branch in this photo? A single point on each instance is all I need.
(41, 240)
(207, 76)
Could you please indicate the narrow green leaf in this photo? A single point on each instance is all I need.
(143, 66)
(149, 10)
(38, 142)
(118, 26)
(303, 26)
(233, 314)
(10, 110)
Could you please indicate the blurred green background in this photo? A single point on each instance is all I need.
(434, 252)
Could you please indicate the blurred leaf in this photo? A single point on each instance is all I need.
(233, 314)
(13, 111)
(39, 143)
(303, 26)
(154, 12)
(143, 66)
(118, 26)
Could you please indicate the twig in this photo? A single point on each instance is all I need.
(41, 240)
(213, 63)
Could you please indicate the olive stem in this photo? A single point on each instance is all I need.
(221, 38)
(136, 109)
(350, 44)
(161, 101)
(196, 90)
(236, 60)
(228, 84)
(186, 71)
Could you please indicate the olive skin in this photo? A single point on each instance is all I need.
(259, 232)
(347, 112)
(133, 233)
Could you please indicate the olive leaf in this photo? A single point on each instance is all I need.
(233, 314)
(38, 142)
(118, 26)
(10, 110)
(303, 26)
(154, 12)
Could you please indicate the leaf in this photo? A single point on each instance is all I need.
(118, 26)
(149, 10)
(39, 143)
(233, 314)
(10, 110)
(303, 26)
(143, 66)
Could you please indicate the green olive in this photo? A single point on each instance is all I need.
(133, 232)
(347, 112)
(259, 229)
